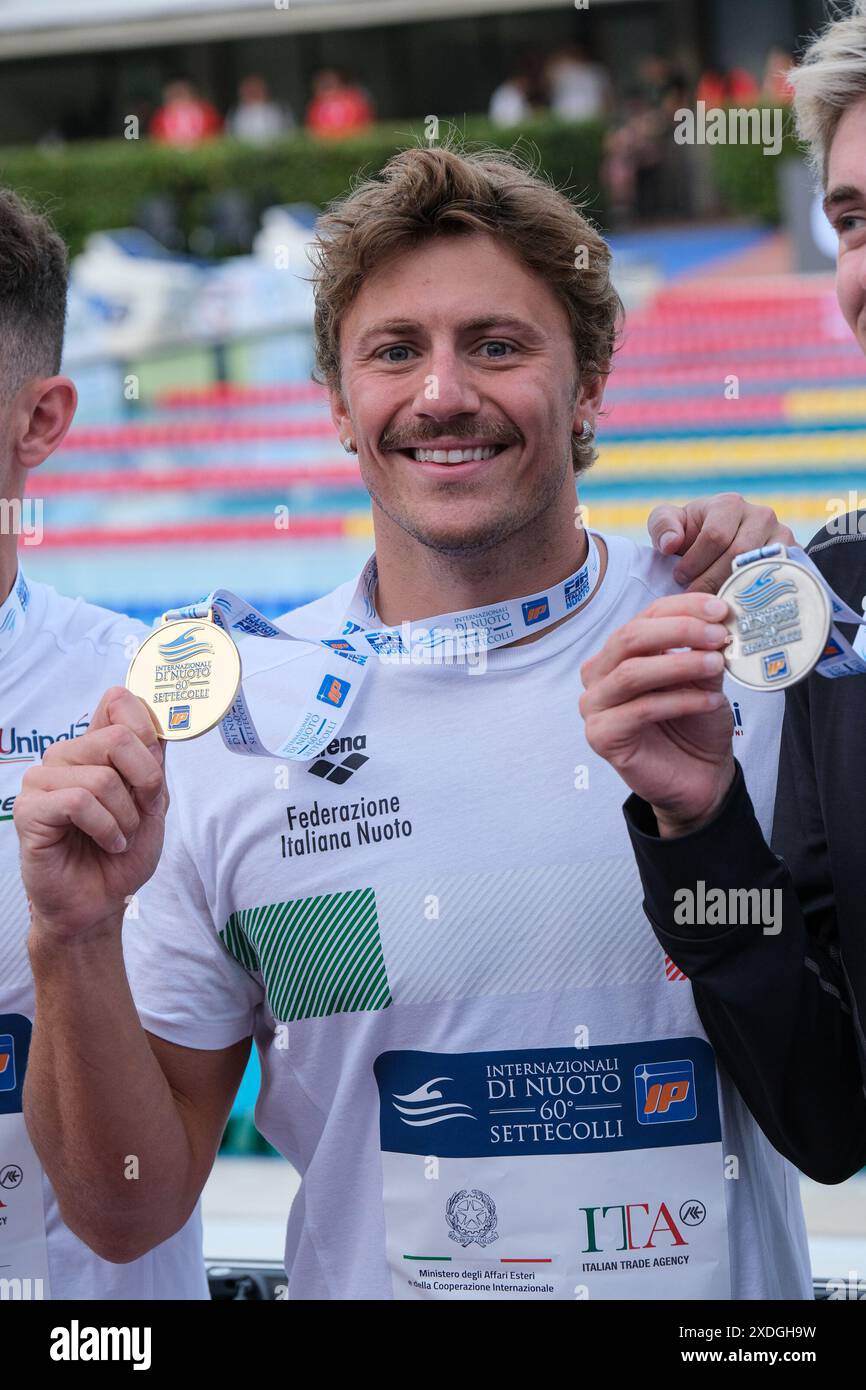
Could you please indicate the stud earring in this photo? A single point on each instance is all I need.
(349, 446)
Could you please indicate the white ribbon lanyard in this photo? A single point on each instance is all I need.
(12, 613)
(839, 658)
(345, 663)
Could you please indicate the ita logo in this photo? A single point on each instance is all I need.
(471, 1215)
(693, 1212)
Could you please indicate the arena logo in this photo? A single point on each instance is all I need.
(731, 125)
(353, 746)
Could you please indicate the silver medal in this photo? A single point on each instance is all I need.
(779, 622)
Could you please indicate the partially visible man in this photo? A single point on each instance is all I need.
(56, 656)
(432, 929)
(783, 1001)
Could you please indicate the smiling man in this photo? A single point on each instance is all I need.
(57, 654)
(490, 1080)
(785, 1007)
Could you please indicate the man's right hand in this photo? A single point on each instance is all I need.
(91, 820)
(659, 716)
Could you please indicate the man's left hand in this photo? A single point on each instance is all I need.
(709, 533)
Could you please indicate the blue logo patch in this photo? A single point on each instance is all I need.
(8, 1080)
(776, 666)
(178, 716)
(665, 1092)
(333, 691)
(386, 642)
(535, 611)
(577, 589)
(15, 1032)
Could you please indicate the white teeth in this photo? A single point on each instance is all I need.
(453, 455)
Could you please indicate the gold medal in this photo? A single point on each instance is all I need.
(187, 672)
(780, 622)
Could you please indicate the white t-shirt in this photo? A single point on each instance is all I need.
(472, 1047)
(58, 657)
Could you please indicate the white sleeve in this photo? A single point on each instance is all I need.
(186, 986)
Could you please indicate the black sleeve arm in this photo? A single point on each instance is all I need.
(771, 998)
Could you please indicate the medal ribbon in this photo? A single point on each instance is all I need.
(344, 664)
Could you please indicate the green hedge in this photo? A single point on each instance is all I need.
(89, 186)
(92, 185)
(747, 179)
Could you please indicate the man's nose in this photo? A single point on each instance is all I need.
(448, 388)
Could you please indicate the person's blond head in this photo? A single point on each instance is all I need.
(830, 79)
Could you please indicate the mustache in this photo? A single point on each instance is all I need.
(494, 431)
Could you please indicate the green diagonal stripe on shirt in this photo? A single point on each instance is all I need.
(318, 956)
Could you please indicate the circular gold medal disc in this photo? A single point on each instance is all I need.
(188, 673)
(780, 623)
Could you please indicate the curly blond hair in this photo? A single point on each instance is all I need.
(445, 191)
(831, 77)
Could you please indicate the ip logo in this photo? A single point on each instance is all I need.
(7, 1062)
(536, 611)
(776, 666)
(665, 1092)
(333, 691)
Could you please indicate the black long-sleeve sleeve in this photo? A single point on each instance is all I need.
(774, 1005)
(783, 1010)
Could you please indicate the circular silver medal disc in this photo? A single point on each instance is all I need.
(779, 624)
(188, 673)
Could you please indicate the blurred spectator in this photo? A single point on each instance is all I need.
(578, 89)
(654, 77)
(712, 88)
(776, 85)
(632, 163)
(337, 107)
(733, 89)
(256, 118)
(511, 102)
(742, 86)
(184, 118)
